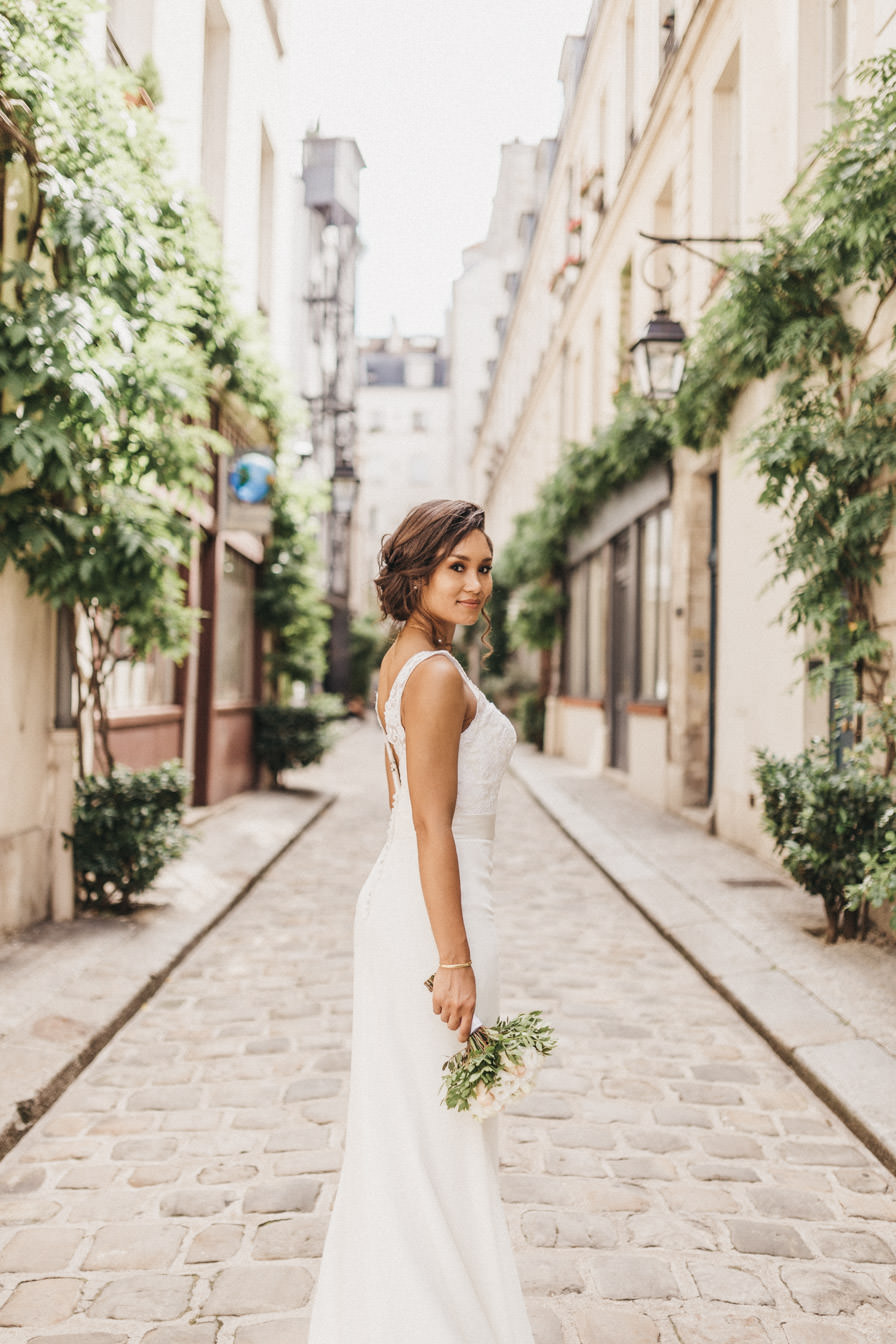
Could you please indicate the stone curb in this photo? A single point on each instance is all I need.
(852, 1074)
(23, 1113)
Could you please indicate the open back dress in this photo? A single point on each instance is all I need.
(418, 1250)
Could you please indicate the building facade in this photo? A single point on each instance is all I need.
(484, 292)
(688, 121)
(332, 180)
(228, 107)
(405, 446)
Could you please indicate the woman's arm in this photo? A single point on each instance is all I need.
(434, 707)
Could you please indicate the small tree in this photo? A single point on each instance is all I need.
(115, 330)
(825, 817)
(127, 826)
(288, 600)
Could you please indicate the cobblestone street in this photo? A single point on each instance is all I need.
(670, 1180)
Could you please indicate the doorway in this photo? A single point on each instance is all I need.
(713, 562)
(621, 670)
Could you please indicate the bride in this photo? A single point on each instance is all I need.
(418, 1247)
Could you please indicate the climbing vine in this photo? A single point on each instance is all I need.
(116, 332)
(534, 561)
(807, 309)
(288, 600)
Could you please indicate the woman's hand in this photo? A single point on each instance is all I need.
(454, 999)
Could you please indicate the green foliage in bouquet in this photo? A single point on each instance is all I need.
(488, 1053)
(127, 826)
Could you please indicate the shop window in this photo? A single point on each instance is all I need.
(235, 631)
(143, 684)
(577, 632)
(585, 629)
(597, 626)
(654, 569)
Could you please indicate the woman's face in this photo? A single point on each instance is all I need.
(460, 583)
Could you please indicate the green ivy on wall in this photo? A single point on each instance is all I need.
(116, 331)
(534, 561)
(288, 601)
(806, 309)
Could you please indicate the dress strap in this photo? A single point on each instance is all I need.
(407, 668)
(395, 693)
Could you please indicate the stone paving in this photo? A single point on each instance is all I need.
(670, 1181)
(65, 988)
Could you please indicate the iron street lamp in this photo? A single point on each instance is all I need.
(344, 489)
(658, 357)
(658, 354)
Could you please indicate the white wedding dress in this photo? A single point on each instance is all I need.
(418, 1250)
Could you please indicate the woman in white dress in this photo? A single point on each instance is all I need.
(418, 1250)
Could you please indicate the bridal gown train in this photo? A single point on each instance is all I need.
(418, 1250)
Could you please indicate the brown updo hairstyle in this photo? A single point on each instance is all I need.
(407, 558)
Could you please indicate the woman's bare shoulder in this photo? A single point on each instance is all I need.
(435, 685)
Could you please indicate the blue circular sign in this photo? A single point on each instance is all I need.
(251, 477)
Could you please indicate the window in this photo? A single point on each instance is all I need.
(129, 24)
(838, 46)
(597, 623)
(668, 44)
(215, 88)
(625, 322)
(597, 385)
(630, 132)
(234, 632)
(654, 570)
(265, 223)
(726, 151)
(585, 633)
(577, 633)
(141, 685)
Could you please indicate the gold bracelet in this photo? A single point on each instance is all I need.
(453, 965)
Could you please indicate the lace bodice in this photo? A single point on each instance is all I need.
(485, 744)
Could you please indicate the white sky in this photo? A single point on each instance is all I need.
(430, 91)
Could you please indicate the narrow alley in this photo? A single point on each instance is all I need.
(670, 1181)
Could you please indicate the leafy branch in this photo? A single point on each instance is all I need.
(116, 332)
(534, 560)
(826, 447)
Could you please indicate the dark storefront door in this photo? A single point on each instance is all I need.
(622, 647)
(713, 560)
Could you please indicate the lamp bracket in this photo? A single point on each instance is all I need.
(687, 241)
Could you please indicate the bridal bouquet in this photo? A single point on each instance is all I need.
(497, 1063)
